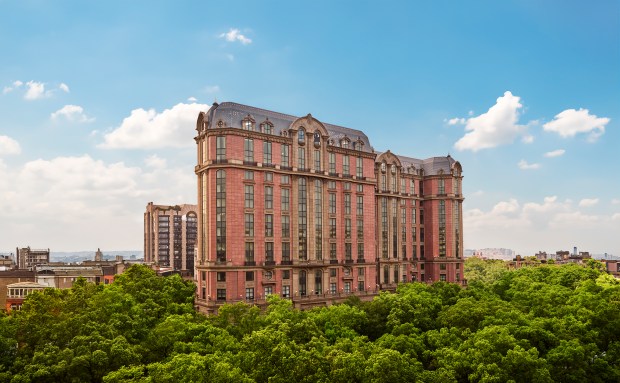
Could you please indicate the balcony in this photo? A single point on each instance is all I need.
(348, 176)
(269, 263)
(333, 261)
(221, 161)
(361, 260)
(333, 174)
(282, 167)
(269, 165)
(286, 263)
(348, 261)
(249, 263)
(250, 163)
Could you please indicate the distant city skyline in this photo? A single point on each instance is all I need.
(98, 104)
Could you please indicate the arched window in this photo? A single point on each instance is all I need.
(301, 136)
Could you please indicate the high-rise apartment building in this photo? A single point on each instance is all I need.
(307, 210)
(28, 258)
(170, 234)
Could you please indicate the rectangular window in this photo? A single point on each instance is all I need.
(347, 204)
(317, 160)
(249, 224)
(249, 293)
(360, 188)
(345, 165)
(301, 158)
(268, 177)
(348, 252)
(221, 294)
(347, 186)
(248, 150)
(269, 251)
(268, 290)
(347, 287)
(442, 277)
(249, 252)
(267, 152)
(286, 251)
(347, 228)
(333, 273)
(220, 148)
(268, 197)
(248, 175)
(286, 226)
(285, 180)
(332, 203)
(360, 205)
(332, 288)
(249, 276)
(360, 251)
(285, 155)
(332, 163)
(412, 186)
(332, 228)
(359, 169)
(403, 185)
(221, 276)
(331, 185)
(268, 225)
(360, 271)
(442, 186)
(285, 198)
(286, 291)
(360, 229)
(332, 251)
(442, 266)
(286, 274)
(249, 196)
(360, 286)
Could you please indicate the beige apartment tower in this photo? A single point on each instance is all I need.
(170, 236)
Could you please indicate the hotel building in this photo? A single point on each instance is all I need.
(170, 234)
(307, 210)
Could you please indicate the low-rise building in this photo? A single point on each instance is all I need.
(28, 258)
(17, 293)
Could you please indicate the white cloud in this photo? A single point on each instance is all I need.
(524, 165)
(531, 226)
(615, 201)
(36, 90)
(555, 153)
(234, 35)
(155, 161)
(73, 113)
(498, 126)
(64, 87)
(81, 203)
(9, 146)
(212, 88)
(147, 129)
(570, 122)
(527, 139)
(588, 202)
(456, 120)
(192, 99)
(16, 84)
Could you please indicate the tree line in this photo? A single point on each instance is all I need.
(539, 324)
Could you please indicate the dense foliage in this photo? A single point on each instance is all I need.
(537, 324)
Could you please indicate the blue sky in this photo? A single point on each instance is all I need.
(99, 100)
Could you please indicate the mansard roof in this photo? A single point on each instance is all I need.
(431, 166)
(232, 114)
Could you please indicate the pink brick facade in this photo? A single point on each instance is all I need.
(291, 206)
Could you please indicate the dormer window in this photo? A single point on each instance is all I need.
(345, 143)
(267, 127)
(248, 123)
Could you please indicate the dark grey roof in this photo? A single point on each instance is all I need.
(232, 114)
(431, 165)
